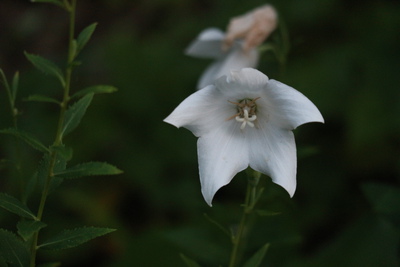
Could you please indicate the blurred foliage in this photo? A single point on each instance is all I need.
(344, 56)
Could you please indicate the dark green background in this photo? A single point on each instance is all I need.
(344, 56)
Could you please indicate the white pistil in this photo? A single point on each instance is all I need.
(246, 119)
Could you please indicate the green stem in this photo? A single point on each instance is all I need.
(250, 201)
(59, 133)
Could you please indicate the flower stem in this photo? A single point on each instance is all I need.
(59, 133)
(251, 199)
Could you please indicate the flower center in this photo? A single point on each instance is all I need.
(246, 109)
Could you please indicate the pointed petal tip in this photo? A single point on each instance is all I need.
(170, 121)
(288, 186)
(208, 197)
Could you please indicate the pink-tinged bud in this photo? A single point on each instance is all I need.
(253, 27)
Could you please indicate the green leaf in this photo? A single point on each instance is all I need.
(46, 66)
(26, 229)
(84, 37)
(75, 113)
(189, 262)
(15, 206)
(12, 92)
(257, 258)
(4, 79)
(97, 89)
(27, 138)
(42, 98)
(63, 151)
(14, 86)
(74, 53)
(89, 169)
(223, 229)
(55, 2)
(13, 250)
(72, 238)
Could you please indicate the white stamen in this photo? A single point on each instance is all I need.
(246, 119)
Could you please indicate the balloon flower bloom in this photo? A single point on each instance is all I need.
(245, 120)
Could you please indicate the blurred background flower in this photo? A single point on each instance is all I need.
(344, 57)
(209, 44)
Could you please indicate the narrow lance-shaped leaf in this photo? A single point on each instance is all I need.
(46, 66)
(26, 229)
(89, 169)
(15, 206)
(97, 89)
(75, 113)
(3, 79)
(189, 262)
(14, 86)
(257, 258)
(27, 138)
(13, 250)
(71, 238)
(84, 37)
(42, 98)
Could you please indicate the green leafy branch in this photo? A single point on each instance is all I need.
(52, 169)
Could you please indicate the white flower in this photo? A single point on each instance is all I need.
(243, 120)
(209, 44)
(253, 27)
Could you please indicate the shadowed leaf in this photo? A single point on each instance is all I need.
(72, 238)
(97, 89)
(75, 113)
(27, 228)
(27, 138)
(84, 37)
(89, 169)
(15, 206)
(13, 250)
(41, 98)
(14, 86)
(257, 258)
(46, 66)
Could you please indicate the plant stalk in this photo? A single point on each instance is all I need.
(251, 199)
(59, 133)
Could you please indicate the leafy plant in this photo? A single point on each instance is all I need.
(20, 249)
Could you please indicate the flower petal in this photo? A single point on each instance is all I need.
(236, 60)
(208, 44)
(244, 83)
(272, 151)
(289, 108)
(202, 111)
(222, 153)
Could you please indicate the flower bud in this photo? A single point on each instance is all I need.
(253, 27)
